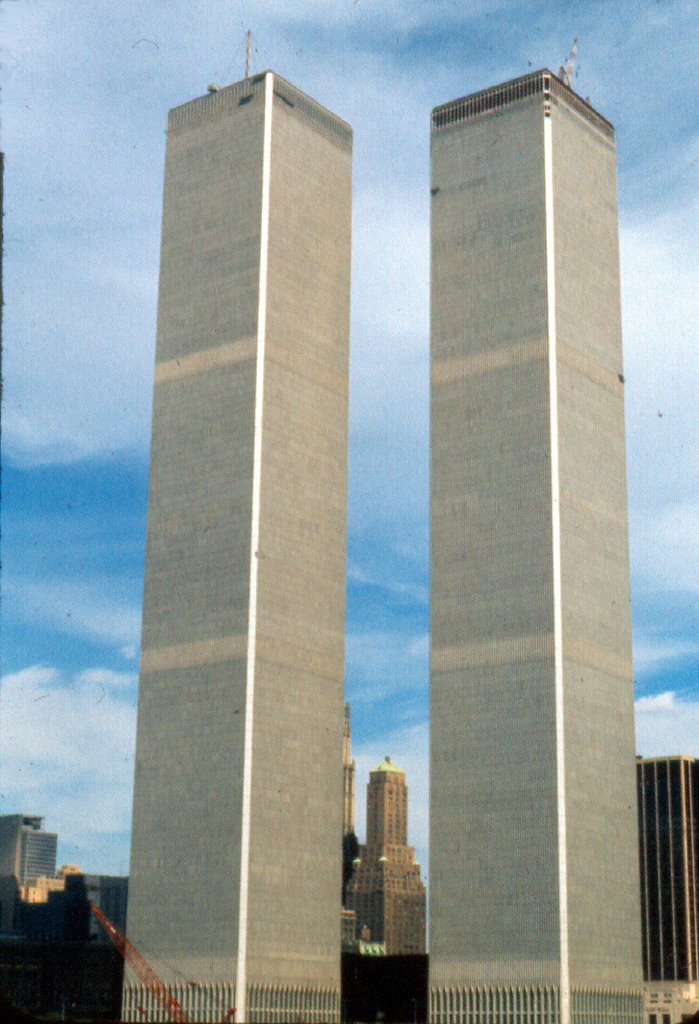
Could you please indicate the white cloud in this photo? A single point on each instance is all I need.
(658, 702)
(67, 753)
(667, 725)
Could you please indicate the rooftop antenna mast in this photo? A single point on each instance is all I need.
(565, 72)
(248, 38)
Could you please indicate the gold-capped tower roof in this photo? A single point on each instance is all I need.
(387, 766)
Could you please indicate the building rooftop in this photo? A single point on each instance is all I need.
(387, 766)
(490, 100)
(220, 99)
(666, 757)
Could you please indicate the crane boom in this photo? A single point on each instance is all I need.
(145, 972)
(565, 72)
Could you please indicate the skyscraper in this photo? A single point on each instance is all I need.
(534, 911)
(26, 850)
(668, 813)
(239, 744)
(350, 844)
(348, 771)
(386, 890)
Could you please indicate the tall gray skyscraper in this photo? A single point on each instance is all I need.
(236, 849)
(534, 906)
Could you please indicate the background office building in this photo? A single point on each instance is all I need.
(534, 900)
(668, 815)
(386, 890)
(26, 850)
(348, 774)
(236, 855)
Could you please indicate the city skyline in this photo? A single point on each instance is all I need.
(77, 394)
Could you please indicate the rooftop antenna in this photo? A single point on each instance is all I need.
(248, 38)
(565, 72)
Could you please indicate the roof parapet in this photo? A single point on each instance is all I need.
(487, 101)
(226, 97)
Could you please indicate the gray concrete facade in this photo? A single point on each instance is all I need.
(237, 824)
(534, 907)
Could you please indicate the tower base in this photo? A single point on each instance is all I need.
(532, 1005)
(211, 1002)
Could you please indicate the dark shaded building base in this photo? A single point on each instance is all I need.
(74, 980)
(394, 986)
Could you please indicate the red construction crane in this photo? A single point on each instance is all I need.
(145, 972)
(147, 975)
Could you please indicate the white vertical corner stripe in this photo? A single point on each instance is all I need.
(557, 583)
(241, 978)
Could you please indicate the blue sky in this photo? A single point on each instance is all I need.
(86, 88)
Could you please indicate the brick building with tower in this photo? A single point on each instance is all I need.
(386, 891)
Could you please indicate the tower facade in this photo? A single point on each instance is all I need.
(235, 861)
(534, 911)
(386, 890)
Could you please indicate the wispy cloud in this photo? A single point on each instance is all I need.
(650, 652)
(416, 593)
(384, 663)
(86, 609)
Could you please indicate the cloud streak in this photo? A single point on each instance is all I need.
(86, 609)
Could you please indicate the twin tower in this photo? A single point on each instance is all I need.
(236, 850)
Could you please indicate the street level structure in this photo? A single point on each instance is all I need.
(534, 900)
(237, 821)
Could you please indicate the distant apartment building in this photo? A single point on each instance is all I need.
(668, 815)
(26, 850)
(386, 890)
